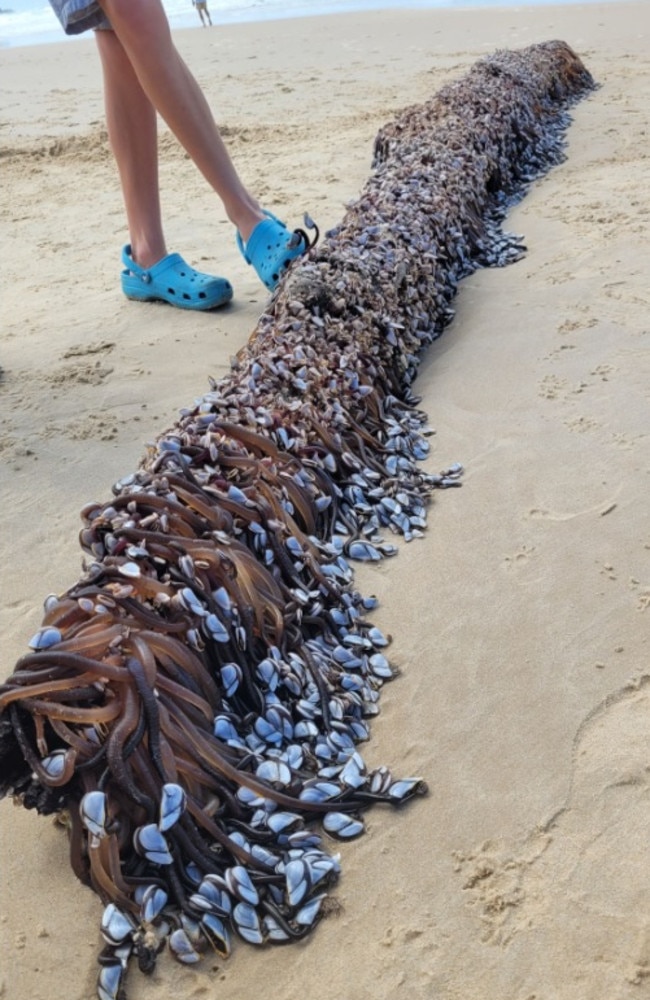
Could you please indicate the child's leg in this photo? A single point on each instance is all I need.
(143, 31)
(131, 123)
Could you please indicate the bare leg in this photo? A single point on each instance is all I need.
(132, 130)
(143, 31)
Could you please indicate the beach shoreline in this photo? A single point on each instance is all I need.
(19, 32)
(519, 622)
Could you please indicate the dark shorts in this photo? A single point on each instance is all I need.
(79, 15)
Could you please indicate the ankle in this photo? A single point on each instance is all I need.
(147, 254)
(245, 218)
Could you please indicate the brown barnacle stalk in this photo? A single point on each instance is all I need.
(194, 704)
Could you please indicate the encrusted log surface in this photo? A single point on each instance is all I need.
(195, 702)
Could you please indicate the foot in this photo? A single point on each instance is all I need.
(173, 281)
(270, 247)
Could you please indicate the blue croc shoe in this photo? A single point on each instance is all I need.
(172, 280)
(271, 247)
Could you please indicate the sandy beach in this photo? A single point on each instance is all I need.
(520, 621)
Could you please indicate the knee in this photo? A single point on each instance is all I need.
(137, 15)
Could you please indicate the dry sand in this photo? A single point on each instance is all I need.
(520, 621)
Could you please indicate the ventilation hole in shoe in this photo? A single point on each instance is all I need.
(202, 295)
(276, 277)
(187, 297)
(172, 291)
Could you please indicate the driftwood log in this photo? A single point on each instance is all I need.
(194, 704)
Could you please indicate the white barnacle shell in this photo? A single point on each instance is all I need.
(182, 948)
(153, 901)
(247, 923)
(231, 676)
(172, 805)
(50, 602)
(93, 813)
(130, 569)
(116, 927)
(216, 933)
(275, 772)
(273, 930)
(149, 842)
(341, 825)
(213, 890)
(307, 914)
(406, 788)
(45, 637)
(109, 980)
(240, 885)
(298, 881)
(216, 628)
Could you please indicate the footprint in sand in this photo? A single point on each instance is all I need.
(519, 558)
(82, 372)
(581, 424)
(572, 325)
(604, 371)
(80, 350)
(571, 903)
(551, 386)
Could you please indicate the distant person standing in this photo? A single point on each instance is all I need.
(202, 8)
